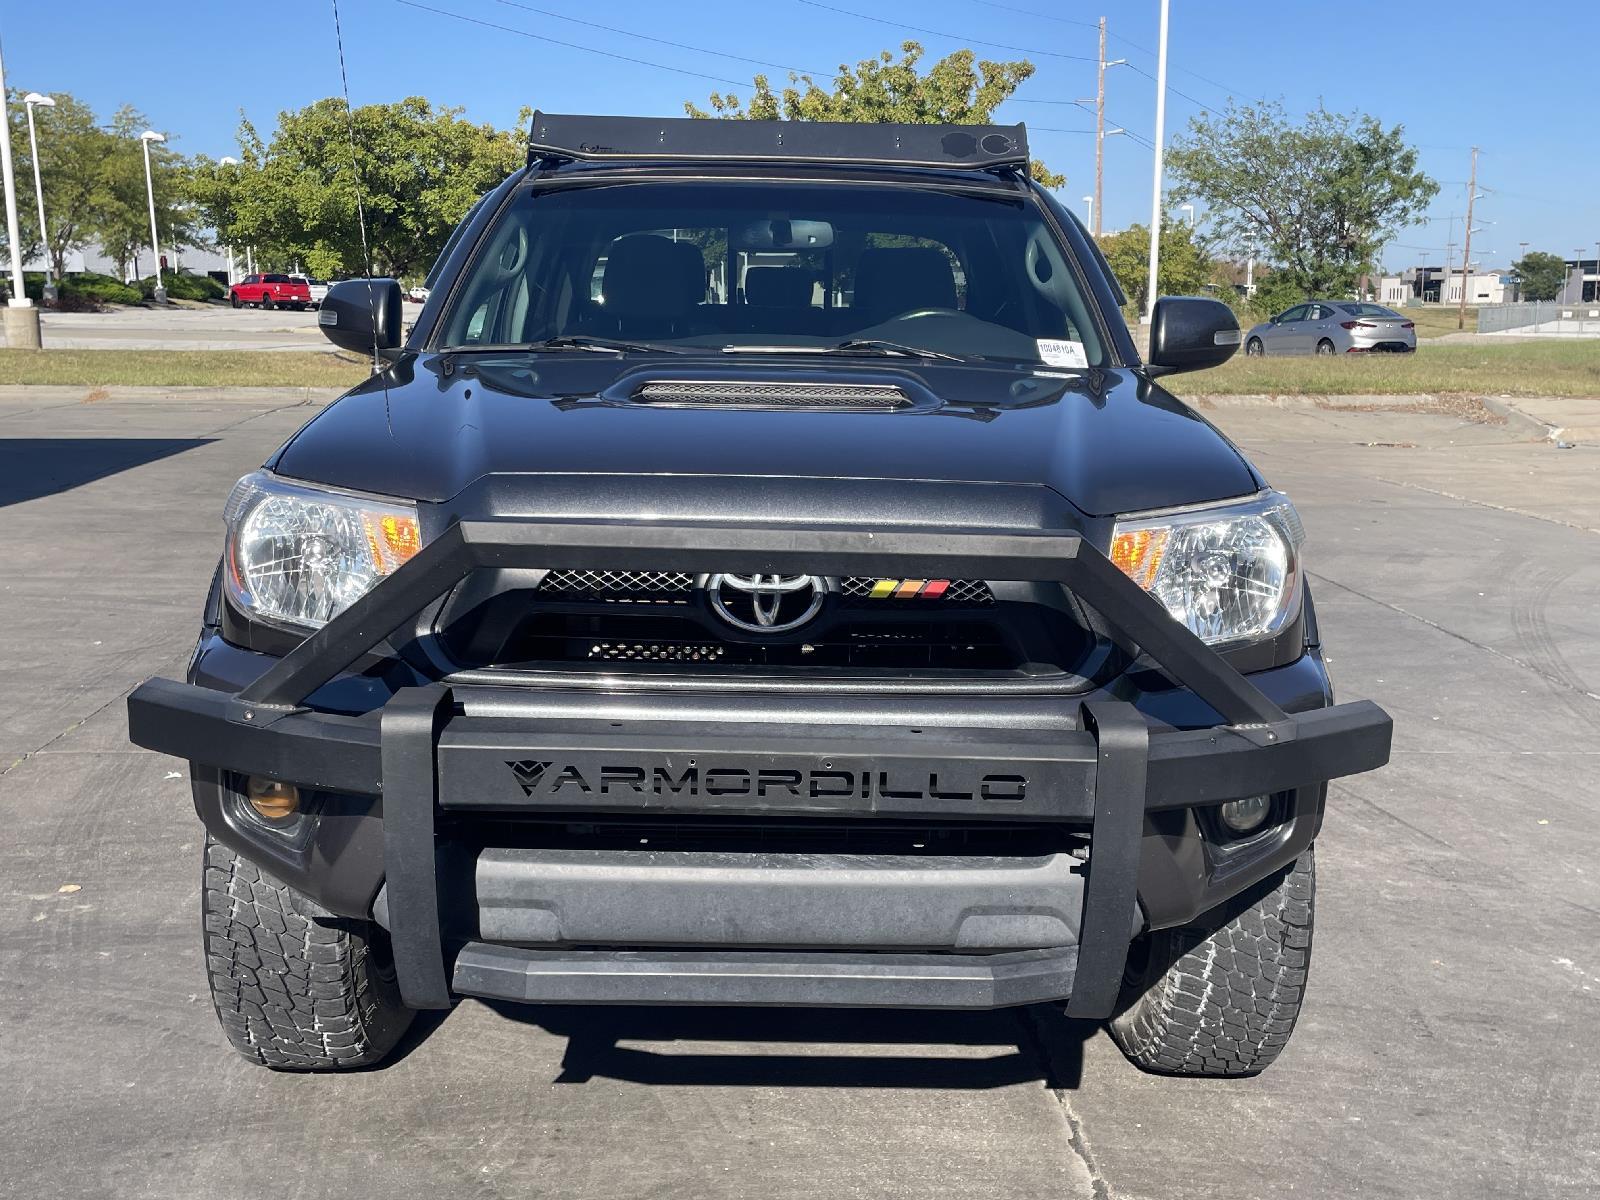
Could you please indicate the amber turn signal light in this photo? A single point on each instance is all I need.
(271, 799)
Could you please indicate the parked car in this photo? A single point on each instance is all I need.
(271, 291)
(417, 294)
(318, 288)
(1333, 327)
(674, 647)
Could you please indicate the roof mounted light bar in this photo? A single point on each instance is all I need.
(558, 138)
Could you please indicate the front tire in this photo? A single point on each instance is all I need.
(235, 301)
(293, 993)
(1222, 999)
(1254, 349)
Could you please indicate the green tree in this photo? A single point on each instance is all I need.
(1541, 275)
(1184, 270)
(419, 168)
(119, 216)
(956, 90)
(1319, 198)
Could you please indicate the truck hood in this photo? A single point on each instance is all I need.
(1107, 441)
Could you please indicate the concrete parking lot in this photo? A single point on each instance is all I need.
(1450, 1047)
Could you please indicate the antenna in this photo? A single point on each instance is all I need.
(361, 211)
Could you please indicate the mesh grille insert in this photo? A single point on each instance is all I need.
(772, 394)
(621, 587)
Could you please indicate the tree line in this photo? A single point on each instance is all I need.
(1314, 199)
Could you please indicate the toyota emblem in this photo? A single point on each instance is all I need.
(766, 603)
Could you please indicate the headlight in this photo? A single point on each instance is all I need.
(1230, 572)
(300, 555)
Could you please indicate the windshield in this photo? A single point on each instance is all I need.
(777, 266)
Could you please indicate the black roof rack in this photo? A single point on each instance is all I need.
(558, 138)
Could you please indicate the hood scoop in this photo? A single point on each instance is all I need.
(831, 396)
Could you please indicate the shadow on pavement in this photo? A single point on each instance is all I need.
(31, 468)
(722, 1047)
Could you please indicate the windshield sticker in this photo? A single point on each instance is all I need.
(1062, 354)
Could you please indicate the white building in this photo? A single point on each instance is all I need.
(1483, 287)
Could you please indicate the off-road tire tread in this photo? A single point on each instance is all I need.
(1229, 1001)
(292, 993)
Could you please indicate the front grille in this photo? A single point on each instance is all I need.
(674, 652)
(680, 636)
(676, 587)
(772, 394)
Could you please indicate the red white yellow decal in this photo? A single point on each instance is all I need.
(907, 589)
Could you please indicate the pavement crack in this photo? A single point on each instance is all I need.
(1564, 684)
(1077, 1137)
(265, 412)
(1505, 508)
(73, 728)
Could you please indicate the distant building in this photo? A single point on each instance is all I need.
(1431, 285)
(1582, 285)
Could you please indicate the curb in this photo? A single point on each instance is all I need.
(1263, 400)
(1525, 423)
(111, 393)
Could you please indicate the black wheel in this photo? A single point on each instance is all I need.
(1325, 347)
(1254, 349)
(293, 993)
(234, 300)
(267, 301)
(1221, 998)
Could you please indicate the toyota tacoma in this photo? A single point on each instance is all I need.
(766, 573)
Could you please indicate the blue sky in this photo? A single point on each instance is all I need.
(1507, 78)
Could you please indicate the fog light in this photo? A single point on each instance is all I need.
(1242, 816)
(273, 800)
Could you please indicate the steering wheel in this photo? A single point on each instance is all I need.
(912, 314)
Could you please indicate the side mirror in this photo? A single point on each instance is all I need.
(363, 314)
(1190, 333)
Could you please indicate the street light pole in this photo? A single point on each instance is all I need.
(21, 318)
(31, 100)
(1155, 181)
(148, 136)
(1089, 200)
(1188, 208)
(227, 160)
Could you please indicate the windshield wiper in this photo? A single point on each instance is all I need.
(851, 346)
(883, 346)
(574, 341)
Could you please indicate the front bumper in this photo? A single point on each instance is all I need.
(752, 927)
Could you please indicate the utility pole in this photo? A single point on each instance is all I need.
(1099, 130)
(1101, 133)
(1155, 180)
(1466, 248)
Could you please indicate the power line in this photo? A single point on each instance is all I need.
(1132, 134)
(1175, 91)
(645, 37)
(539, 37)
(960, 37)
(1232, 91)
(1028, 12)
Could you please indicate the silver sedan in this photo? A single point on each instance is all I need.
(1333, 327)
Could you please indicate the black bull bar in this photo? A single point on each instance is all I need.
(421, 752)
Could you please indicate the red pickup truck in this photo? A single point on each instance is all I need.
(270, 291)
